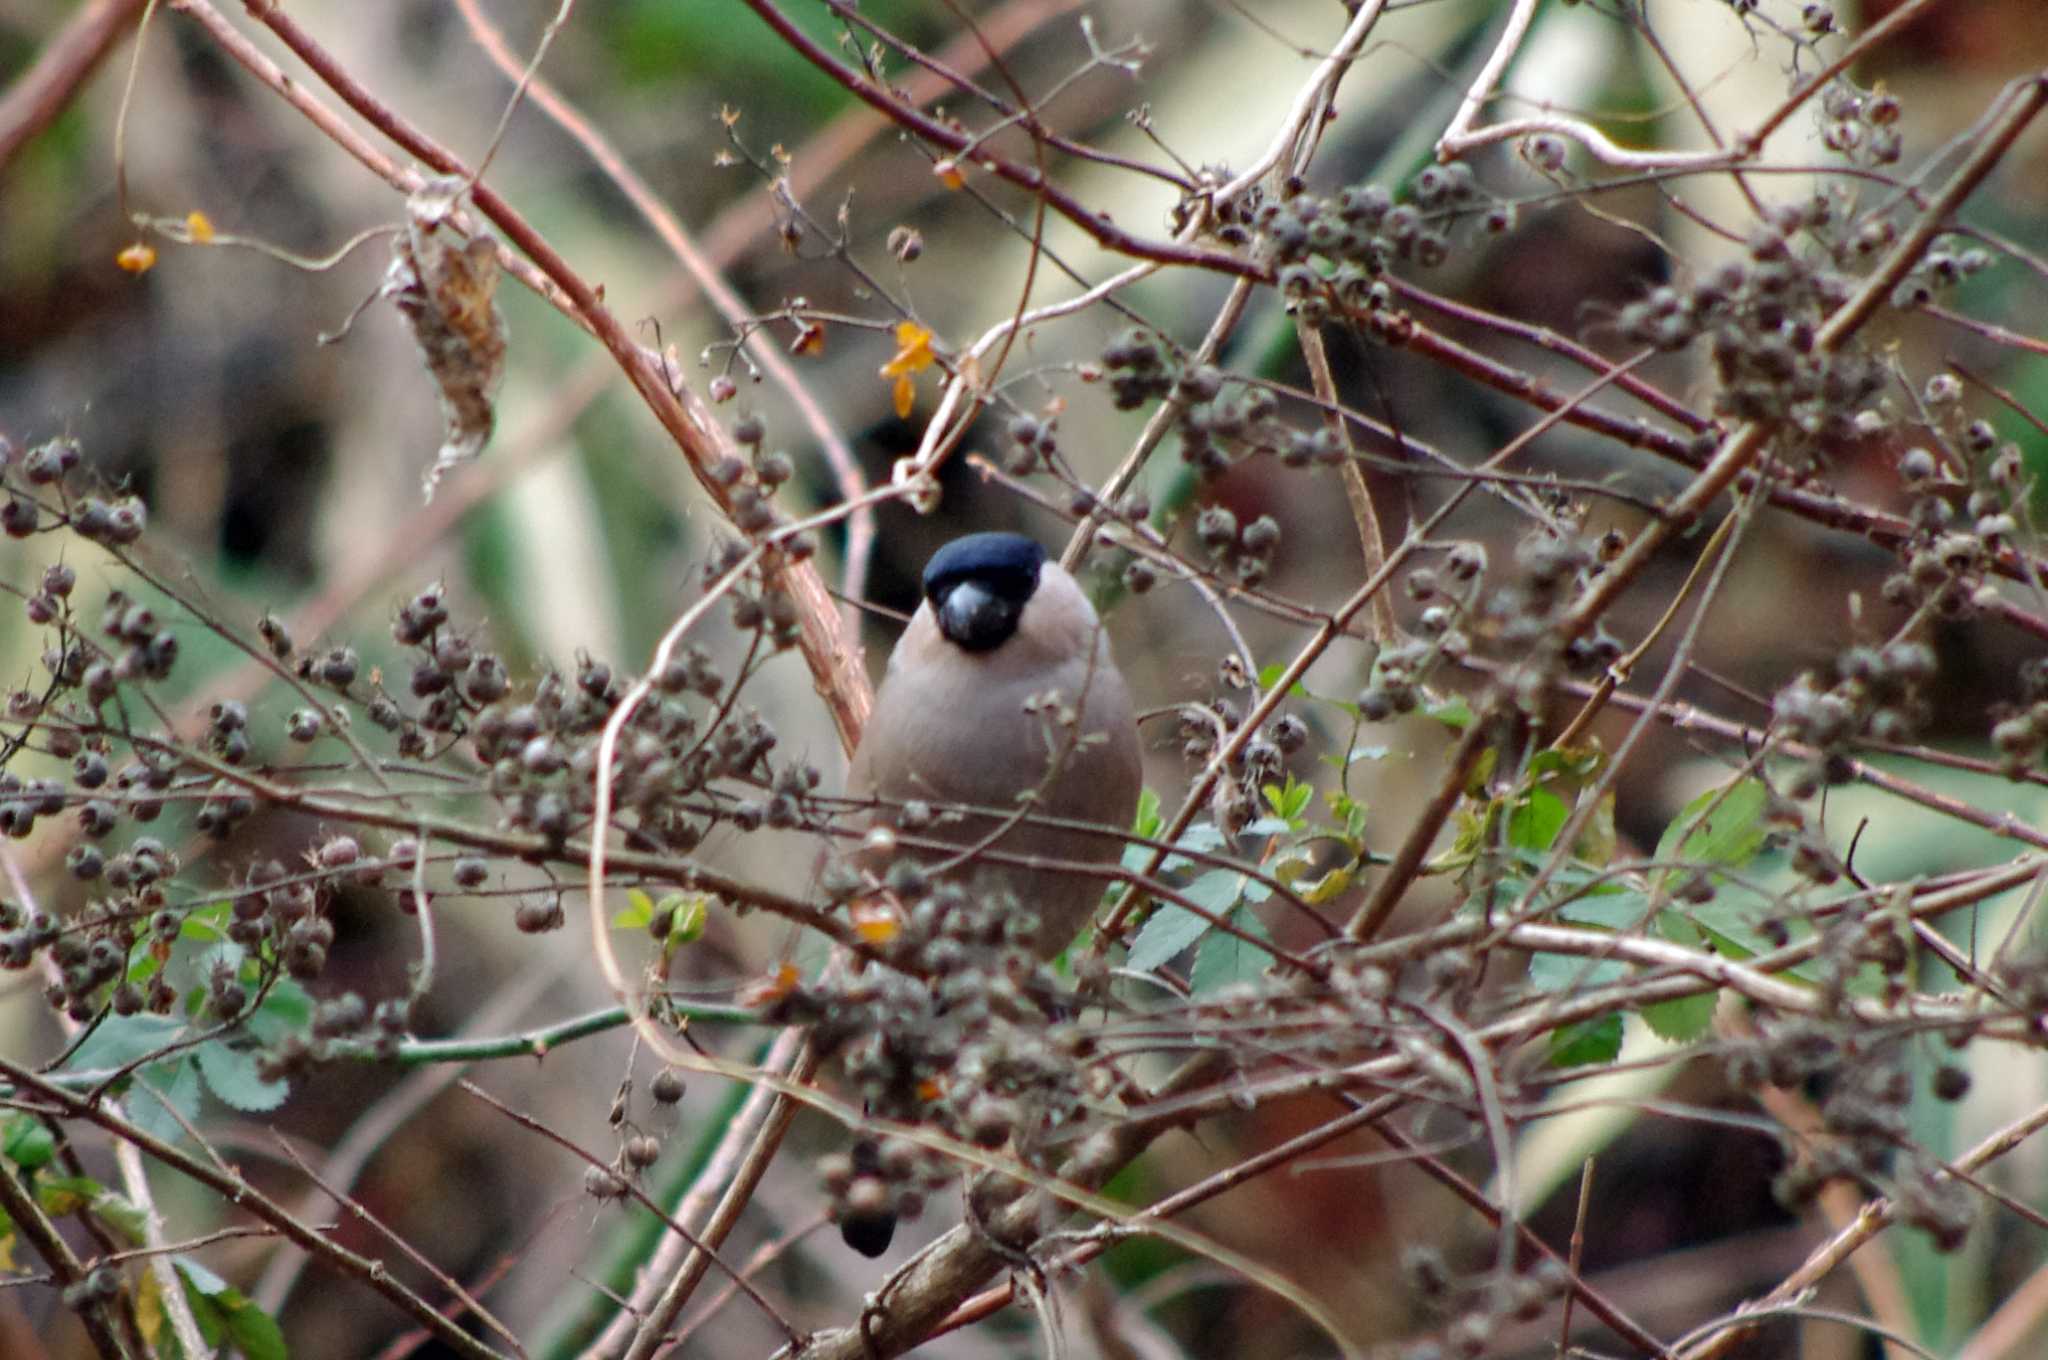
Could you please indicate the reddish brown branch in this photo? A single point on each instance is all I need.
(33, 102)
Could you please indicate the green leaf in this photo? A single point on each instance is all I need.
(1172, 927)
(1288, 801)
(1682, 1020)
(1577, 762)
(1291, 867)
(637, 912)
(692, 911)
(176, 1083)
(287, 1009)
(1317, 891)
(1149, 819)
(231, 1074)
(61, 1195)
(1536, 819)
(1453, 713)
(142, 962)
(1558, 972)
(25, 1141)
(248, 1328)
(1675, 927)
(1723, 827)
(1166, 932)
(1203, 836)
(201, 928)
(1584, 1042)
(121, 1039)
(1353, 812)
(1224, 958)
(124, 1215)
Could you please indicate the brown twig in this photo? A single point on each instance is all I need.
(68, 60)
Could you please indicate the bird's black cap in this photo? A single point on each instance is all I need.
(978, 586)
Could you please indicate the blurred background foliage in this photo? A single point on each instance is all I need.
(283, 475)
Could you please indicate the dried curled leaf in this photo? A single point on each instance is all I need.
(445, 287)
(913, 355)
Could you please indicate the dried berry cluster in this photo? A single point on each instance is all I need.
(1864, 1088)
(1762, 316)
(1517, 620)
(964, 1033)
(692, 758)
(1861, 127)
(1255, 762)
(1877, 695)
(1327, 253)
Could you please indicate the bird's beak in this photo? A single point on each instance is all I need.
(975, 619)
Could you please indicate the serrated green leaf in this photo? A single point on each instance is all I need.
(1681, 1020)
(287, 1009)
(175, 1083)
(1722, 828)
(1167, 931)
(1224, 958)
(231, 1075)
(1585, 1042)
(1172, 927)
(121, 1039)
(26, 1141)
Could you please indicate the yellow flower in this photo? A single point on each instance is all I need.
(200, 227)
(139, 258)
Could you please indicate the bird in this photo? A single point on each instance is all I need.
(959, 719)
(1003, 687)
